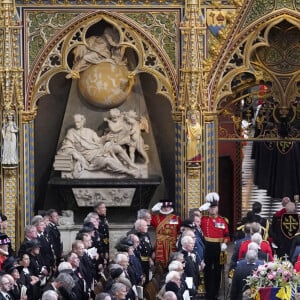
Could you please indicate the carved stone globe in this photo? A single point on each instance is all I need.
(105, 85)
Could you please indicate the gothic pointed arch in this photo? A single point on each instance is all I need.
(266, 52)
(243, 65)
(53, 58)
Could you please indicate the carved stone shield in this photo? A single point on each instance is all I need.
(289, 225)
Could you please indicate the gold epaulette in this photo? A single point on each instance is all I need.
(225, 219)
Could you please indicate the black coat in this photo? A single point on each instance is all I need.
(53, 235)
(191, 268)
(243, 269)
(46, 251)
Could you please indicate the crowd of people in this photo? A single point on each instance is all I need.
(259, 240)
(42, 269)
(189, 255)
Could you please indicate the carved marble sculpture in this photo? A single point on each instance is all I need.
(83, 152)
(9, 147)
(67, 218)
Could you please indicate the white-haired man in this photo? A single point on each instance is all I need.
(216, 234)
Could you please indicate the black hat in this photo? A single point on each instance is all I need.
(3, 217)
(167, 203)
(122, 248)
(9, 265)
(188, 223)
(126, 241)
(32, 244)
(10, 268)
(4, 239)
(89, 224)
(115, 273)
(86, 229)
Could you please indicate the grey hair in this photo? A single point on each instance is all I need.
(186, 239)
(251, 256)
(64, 265)
(89, 216)
(253, 246)
(256, 238)
(142, 213)
(176, 255)
(66, 280)
(255, 227)
(49, 295)
(169, 295)
(175, 265)
(102, 296)
(116, 287)
(138, 224)
(171, 275)
(119, 257)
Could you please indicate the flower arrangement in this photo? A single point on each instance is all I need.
(276, 274)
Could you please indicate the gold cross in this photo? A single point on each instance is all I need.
(290, 224)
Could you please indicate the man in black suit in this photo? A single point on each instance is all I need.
(80, 288)
(53, 235)
(46, 252)
(244, 268)
(191, 268)
(62, 284)
(86, 267)
(30, 234)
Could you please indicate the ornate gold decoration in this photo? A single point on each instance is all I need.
(28, 116)
(191, 95)
(265, 55)
(12, 102)
(53, 60)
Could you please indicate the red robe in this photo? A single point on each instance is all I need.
(167, 228)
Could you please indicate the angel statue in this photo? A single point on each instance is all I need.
(137, 125)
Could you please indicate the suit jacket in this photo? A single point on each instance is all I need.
(2, 297)
(46, 252)
(53, 236)
(79, 287)
(87, 269)
(191, 268)
(242, 270)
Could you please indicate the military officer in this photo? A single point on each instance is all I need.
(145, 247)
(216, 234)
(103, 230)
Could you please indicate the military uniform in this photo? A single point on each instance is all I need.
(53, 235)
(103, 230)
(215, 231)
(145, 249)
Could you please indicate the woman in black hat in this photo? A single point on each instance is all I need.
(27, 279)
(19, 290)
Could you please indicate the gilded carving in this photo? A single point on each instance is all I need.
(53, 60)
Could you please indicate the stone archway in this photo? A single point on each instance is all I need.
(53, 60)
(257, 95)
